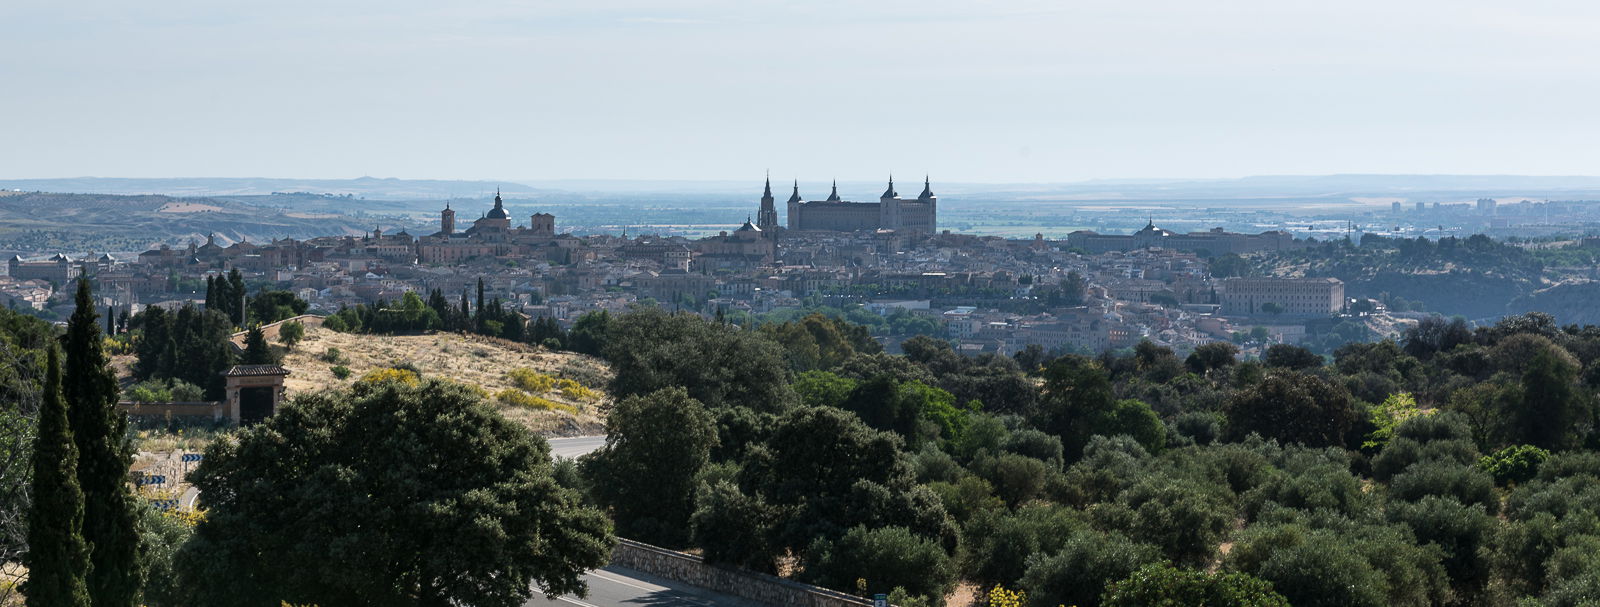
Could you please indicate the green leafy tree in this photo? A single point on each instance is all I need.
(732, 527)
(268, 307)
(998, 543)
(1166, 586)
(588, 335)
(1085, 565)
(1551, 405)
(1212, 355)
(824, 472)
(1388, 416)
(99, 430)
(718, 365)
(58, 558)
(1514, 464)
(1358, 565)
(1292, 407)
(401, 493)
(1294, 358)
(646, 474)
(887, 558)
(1185, 519)
(290, 333)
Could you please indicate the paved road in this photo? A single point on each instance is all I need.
(619, 587)
(575, 446)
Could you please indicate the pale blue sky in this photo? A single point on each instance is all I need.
(1026, 91)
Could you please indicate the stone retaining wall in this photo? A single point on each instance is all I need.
(204, 410)
(756, 587)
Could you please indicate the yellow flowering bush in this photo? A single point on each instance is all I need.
(1000, 597)
(518, 398)
(532, 381)
(576, 391)
(391, 374)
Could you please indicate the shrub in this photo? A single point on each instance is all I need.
(532, 381)
(1081, 570)
(333, 356)
(518, 398)
(406, 376)
(1166, 585)
(887, 558)
(341, 371)
(1515, 464)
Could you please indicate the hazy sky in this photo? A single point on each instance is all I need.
(1050, 90)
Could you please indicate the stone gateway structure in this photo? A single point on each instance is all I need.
(253, 392)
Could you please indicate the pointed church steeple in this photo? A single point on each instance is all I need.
(834, 197)
(767, 215)
(890, 193)
(927, 188)
(795, 197)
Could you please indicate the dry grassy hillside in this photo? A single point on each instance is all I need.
(469, 359)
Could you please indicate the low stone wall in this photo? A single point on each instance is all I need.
(756, 587)
(206, 410)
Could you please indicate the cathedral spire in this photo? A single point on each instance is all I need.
(767, 193)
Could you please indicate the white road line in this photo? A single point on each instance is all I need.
(627, 582)
(576, 602)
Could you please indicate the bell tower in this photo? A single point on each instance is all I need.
(767, 216)
(447, 220)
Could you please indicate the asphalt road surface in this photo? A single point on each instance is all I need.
(575, 446)
(619, 587)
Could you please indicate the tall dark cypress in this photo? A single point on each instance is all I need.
(236, 296)
(466, 313)
(100, 432)
(57, 558)
(211, 293)
(256, 349)
(479, 319)
(111, 320)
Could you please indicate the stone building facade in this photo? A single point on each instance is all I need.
(891, 212)
(1297, 296)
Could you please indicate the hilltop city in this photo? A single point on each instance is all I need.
(1088, 292)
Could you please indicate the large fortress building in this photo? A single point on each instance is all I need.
(890, 212)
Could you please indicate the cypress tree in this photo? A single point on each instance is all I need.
(57, 558)
(111, 320)
(100, 431)
(256, 349)
(236, 297)
(479, 319)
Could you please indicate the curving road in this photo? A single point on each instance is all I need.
(575, 446)
(619, 587)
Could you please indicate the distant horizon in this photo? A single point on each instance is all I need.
(531, 182)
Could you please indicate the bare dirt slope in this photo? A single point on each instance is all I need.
(469, 359)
